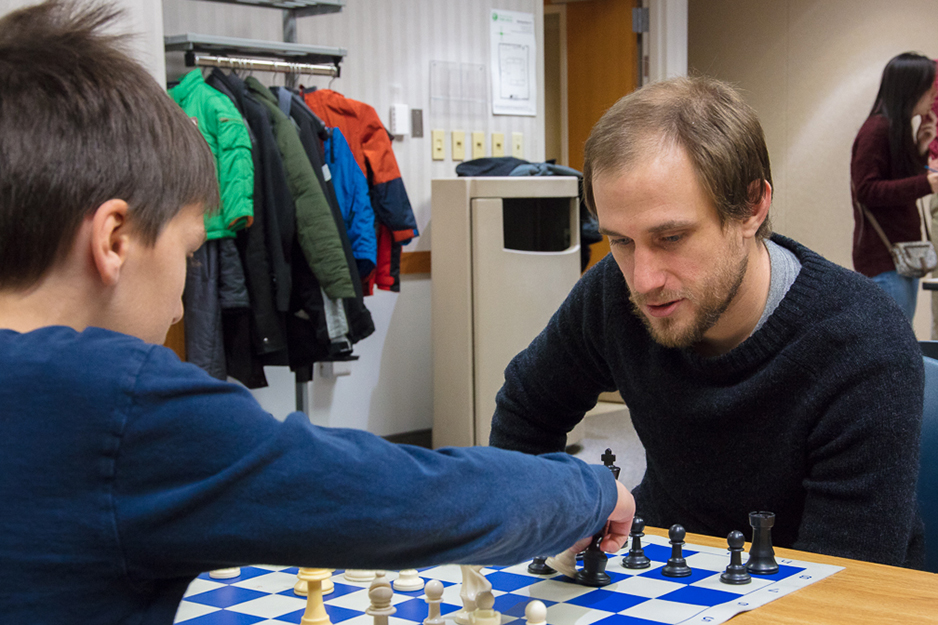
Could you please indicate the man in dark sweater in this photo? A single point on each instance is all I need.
(758, 375)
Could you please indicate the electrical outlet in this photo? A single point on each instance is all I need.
(517, 145)
(478, 144)
(459, 145)
(436, 143)
(498, 144)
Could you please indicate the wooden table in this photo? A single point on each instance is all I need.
(862, 593)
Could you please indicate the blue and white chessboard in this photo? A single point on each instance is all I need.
(264, 594)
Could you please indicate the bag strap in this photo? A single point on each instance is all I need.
(869, 215)
(882, 235)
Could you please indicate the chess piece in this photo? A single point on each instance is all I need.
(229, 573)
(735, 572)
(676, 566)
(593, 572)
(359, 575)
(565, 562)
(636, 558)
(484, 614)
(539, 566)
(299, 588)
(408, 581)
(315, 613)
(380, 594)
(434, 591)
(473, 582)
(535, 613)
(761, 555)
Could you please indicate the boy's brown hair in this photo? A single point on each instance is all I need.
(81, 123)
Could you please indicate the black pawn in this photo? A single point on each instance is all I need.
(636, 558)
(539, 566)
(761, 555)
(735, 572)
(593, 572)
(676, 566)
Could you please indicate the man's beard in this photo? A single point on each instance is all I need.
(712, 300)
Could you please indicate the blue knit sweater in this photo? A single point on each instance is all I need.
(124, 473)
(815, 417)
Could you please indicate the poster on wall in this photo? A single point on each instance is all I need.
(514, 63)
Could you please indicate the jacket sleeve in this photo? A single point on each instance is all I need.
(352, 191)
(235, 170)
(389, 198)
(208, 479)
(870, 171)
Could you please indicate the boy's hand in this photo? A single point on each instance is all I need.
(617, 527)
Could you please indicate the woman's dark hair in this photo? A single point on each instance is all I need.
(905, 80)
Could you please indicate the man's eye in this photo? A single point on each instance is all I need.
(619, 241)
(674, 238)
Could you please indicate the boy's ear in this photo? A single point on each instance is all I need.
(110, 240)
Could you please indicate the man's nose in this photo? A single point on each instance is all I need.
(648, 272)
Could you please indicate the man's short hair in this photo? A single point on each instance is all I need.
(81, 123)
(720, 133)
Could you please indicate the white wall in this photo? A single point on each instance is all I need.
(390, 47)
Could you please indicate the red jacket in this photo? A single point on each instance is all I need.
(371, 146)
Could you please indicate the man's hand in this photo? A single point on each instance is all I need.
(617, 527)
(926, 132)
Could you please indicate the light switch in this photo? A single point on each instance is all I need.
(517, 145)
(459, 145)
(478, 144)
(436, 143)
(498, 144)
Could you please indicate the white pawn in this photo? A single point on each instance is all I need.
(564, 562)
(484, 614)
(408, 581)
(434, 592)
(359, 575)
(536, 613)
(300, 587)
(380, 595)
(228, 573)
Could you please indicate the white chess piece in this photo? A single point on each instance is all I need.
(434, 592)
(408, 581)
(234, 571)
(359, 575)
(299, 588)
(315, 613)
(564, 562)
(484, 614)
(380, 595)
(536, 613)
(473, 581)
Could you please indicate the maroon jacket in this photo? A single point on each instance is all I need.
(891, 199)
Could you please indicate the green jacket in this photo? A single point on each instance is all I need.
(223, 128)
(316, 229)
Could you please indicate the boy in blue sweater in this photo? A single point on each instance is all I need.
(124, 472)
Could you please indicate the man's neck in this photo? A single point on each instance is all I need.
(744, 312)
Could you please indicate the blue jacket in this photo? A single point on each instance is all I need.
(351, 190)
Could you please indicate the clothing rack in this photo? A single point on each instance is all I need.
(265, 65)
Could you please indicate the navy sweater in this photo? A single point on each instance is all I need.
(816, 416)
(124, 473)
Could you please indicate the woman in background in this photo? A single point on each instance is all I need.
(888, 172)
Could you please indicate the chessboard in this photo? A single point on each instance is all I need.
(264, 594)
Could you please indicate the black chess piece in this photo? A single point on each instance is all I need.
(735, 572)
(539, 566)
(593, 572)
(636, 559)
(676, 566)
(761, 555)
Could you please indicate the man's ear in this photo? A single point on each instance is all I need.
(760, 207)
(110, 240)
